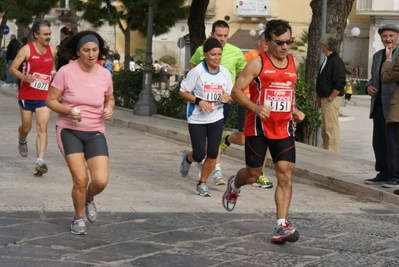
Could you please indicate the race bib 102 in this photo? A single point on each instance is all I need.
(212, 92)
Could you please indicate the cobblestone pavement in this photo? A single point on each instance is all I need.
(149, 216)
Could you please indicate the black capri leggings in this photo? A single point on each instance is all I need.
(200, 133)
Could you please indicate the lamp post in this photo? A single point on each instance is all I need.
(146, 105)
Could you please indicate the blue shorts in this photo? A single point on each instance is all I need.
(31, 105)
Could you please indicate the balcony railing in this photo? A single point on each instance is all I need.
(377, 7)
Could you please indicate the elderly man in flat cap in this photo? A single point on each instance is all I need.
(381, 94)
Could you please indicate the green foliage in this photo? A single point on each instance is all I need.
(306, 130)
(139, 55)
(128, 85)
(134, 14)
(301, 44)
(3, 69)
(170, 103)
(232, 120)
(168, 59)
(24, 11)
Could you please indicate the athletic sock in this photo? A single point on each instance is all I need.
(226, 141)
(280, 222)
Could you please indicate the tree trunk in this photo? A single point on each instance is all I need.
(30, 34)
(2, 26)
(23, 31)
(74, 20)
(337, 14)
(196, 23)
(127, 49)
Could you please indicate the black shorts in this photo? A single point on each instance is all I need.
(348, 96)
(205, 134)
(92, 144)
(280, 149)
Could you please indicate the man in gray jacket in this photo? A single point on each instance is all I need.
(381, 96)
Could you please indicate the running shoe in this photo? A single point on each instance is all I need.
(78, 226)
(23, 148)
(284, 233)
(263, 182)
(41, 168)
(184, 165)
(223, 144)
(230, 196)
(91, 211)
(218, 177)
(203, 190)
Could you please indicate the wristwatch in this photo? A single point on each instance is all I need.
(329, 99)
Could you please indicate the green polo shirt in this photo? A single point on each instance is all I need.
(232, 59)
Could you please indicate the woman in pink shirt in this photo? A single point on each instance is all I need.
(87, 100)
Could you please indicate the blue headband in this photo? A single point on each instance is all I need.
(86, 39)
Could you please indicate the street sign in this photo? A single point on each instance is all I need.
(180, 43)
(6, 30)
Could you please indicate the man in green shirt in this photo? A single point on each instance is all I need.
(233, 59)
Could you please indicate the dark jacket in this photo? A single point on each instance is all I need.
(332, 77)
(385, 91)
(12, 49)
(390, 75)
(61, 60)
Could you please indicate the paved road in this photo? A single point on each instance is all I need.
(149, 216)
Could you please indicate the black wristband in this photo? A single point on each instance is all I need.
(197, 100)
(297, 107)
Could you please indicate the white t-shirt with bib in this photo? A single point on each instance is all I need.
(209, 87)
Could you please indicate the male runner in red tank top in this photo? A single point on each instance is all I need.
(38, 67)
(269, 122)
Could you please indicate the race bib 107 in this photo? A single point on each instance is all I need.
(42, 81)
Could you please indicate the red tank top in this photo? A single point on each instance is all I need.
(40, 66)
(273, 87)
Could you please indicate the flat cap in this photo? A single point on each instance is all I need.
(390, 27)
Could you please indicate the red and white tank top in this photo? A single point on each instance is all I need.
(273, 87)
(39, 66)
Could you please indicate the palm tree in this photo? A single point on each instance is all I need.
(301, 44)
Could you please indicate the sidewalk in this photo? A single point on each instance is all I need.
(150, 216)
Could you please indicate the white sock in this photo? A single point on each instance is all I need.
(217, 167)
(280, 222)
(39, 160)
(233, 186)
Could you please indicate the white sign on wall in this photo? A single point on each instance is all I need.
(252, 8)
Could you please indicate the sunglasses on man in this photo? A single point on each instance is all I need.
(281, 43)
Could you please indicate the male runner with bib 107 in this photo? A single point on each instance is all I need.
(38, 67)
